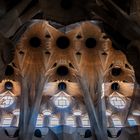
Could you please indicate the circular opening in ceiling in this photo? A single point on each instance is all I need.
(116, 71)
(115, 86)
(66, 4)
(62, 71)
(9, 71)
(90, 42)
(8, 85)
(35, 42)
(62, 86)
(63, 42)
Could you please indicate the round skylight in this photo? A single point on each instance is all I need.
(117, 102)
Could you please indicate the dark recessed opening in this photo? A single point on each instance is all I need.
(88, 133)
(116, 71)
(105, 37)
(35, 42)
(78, 36)
(47, 36)
(109, 134)
(66, 4)
(62, 71)
(21, 52)
(63, 42)
(62, 86)
(54, 65)
(70, 65)
(38, 133)
(9, 71)
(104, 53)
(90, 42)
(115, 86)
(8, 85)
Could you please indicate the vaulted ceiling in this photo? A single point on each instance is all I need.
(86, 52)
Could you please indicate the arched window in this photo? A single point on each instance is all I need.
(39, 122)
(70, 121)
(85, 121)
(136, 112)
(16, 114)
(108, 113)
(47, 112)
(116, 121)
(54, 121)
(132, 121)
(7, 120)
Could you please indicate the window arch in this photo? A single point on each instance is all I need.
(16, 114)
(39, 121)
(136, 112)
(7, 120)
(70, 120)
(54, 121)
(132, 121)
(85, 121)
(116, 121)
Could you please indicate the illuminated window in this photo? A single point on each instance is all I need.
(62, 102)
(16, 113)
(54, 121)
(6, 121)
(136, 112)
(47, 112)
(118, 102)
(39, 122)
(117, 122)
(70, 121)
(85, 121)
(132, 122)
(77, 112)
(6, 99)
(108, 113)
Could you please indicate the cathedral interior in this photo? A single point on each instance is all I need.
(69, 69)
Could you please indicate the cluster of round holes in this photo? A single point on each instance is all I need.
(62, 70)
(66, 4)
(35, 42)
(9, 71)
(90, 42)
(116, 71)
(63, 42)
(115, 86)
(62, 86)
(8, 85)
